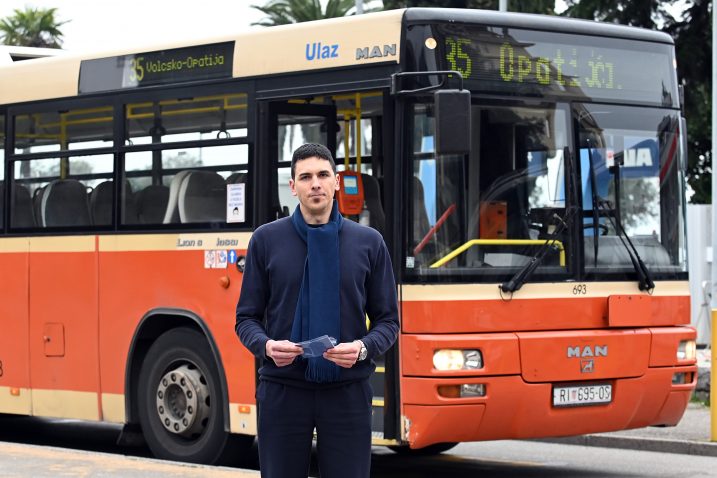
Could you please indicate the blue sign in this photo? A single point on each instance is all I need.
(232, 256)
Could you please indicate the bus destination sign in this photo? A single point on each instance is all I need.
(197, 63)
(559, 64)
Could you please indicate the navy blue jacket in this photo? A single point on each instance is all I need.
(270, 289)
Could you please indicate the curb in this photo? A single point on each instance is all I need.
(684, 447)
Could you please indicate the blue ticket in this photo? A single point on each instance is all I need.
(316, 347)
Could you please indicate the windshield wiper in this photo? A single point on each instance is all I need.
(517, 281)
(643, 274)
(603, 205)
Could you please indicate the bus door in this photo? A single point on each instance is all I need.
(332, 120)
(287, 125)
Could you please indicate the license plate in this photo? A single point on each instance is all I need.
(578, 395)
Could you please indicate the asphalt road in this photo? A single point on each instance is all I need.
(49, 448)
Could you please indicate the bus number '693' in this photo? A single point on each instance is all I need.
(580, 289)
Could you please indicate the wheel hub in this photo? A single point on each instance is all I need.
(182, 401)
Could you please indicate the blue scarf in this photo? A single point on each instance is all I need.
(317, 309)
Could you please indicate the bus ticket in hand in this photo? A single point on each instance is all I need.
(316, 347)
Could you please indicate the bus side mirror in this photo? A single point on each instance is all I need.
(453, 121)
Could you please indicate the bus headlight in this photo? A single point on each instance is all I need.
(451, 359)
(687, 350)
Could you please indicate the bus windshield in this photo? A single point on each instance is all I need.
(488, 214)
(630, 178)
(496, 208)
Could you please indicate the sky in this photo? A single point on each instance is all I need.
(110, 24)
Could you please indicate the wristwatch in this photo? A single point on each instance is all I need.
(363, 353)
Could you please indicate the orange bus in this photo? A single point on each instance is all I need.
(526, 172)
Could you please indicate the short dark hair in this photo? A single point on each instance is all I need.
(311, 150)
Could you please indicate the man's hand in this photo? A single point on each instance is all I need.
(282, 352)
(344, 354)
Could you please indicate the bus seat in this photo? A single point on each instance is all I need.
(202, 197)
(22, 213)
(101, 203)
(372, 196)
(65, 203)
(129, 205)
(37, 203)
(171, 215)
(509, 190)
(236, 178)
(612, 252)
(151, 204)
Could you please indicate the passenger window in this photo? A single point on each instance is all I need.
(2, 171)
(187, 119)
(62, 130)
(189, 185)
(57, 192)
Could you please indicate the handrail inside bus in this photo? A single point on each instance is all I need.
(499, 242)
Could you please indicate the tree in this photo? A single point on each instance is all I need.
(636, 13)
(35, 27)
(693, 44)
(284, 12)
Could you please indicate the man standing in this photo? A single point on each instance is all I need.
(309, 275)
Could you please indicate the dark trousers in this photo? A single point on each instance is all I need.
(288, 416)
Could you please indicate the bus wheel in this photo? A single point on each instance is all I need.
(429, 450)
(181, 408)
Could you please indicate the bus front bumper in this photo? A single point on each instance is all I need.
(515, 409)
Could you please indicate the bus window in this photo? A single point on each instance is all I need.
(498, 197)
(190, 185)
(630, 176)
(295, 130)
(2, 170)
(60, 130)
(48, 196)
(187, 119)
(347, 131)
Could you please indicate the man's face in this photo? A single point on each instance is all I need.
(314, 184)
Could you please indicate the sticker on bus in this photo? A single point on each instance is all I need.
(215, 259)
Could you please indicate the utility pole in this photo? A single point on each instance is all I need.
(503, 5)
(713, 387)
(359, 7)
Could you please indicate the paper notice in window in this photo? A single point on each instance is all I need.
(236, 195)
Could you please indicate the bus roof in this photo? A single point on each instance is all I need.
(534, 22)
(280, 49)
(340, 42)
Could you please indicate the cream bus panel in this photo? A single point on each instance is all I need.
(339, 42)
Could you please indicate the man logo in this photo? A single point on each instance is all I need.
(375, 52)
(587, 351)
(587, 366)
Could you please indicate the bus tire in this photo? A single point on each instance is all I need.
(429, 450)
(180, 402)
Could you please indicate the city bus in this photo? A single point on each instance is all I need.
(525, 171)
